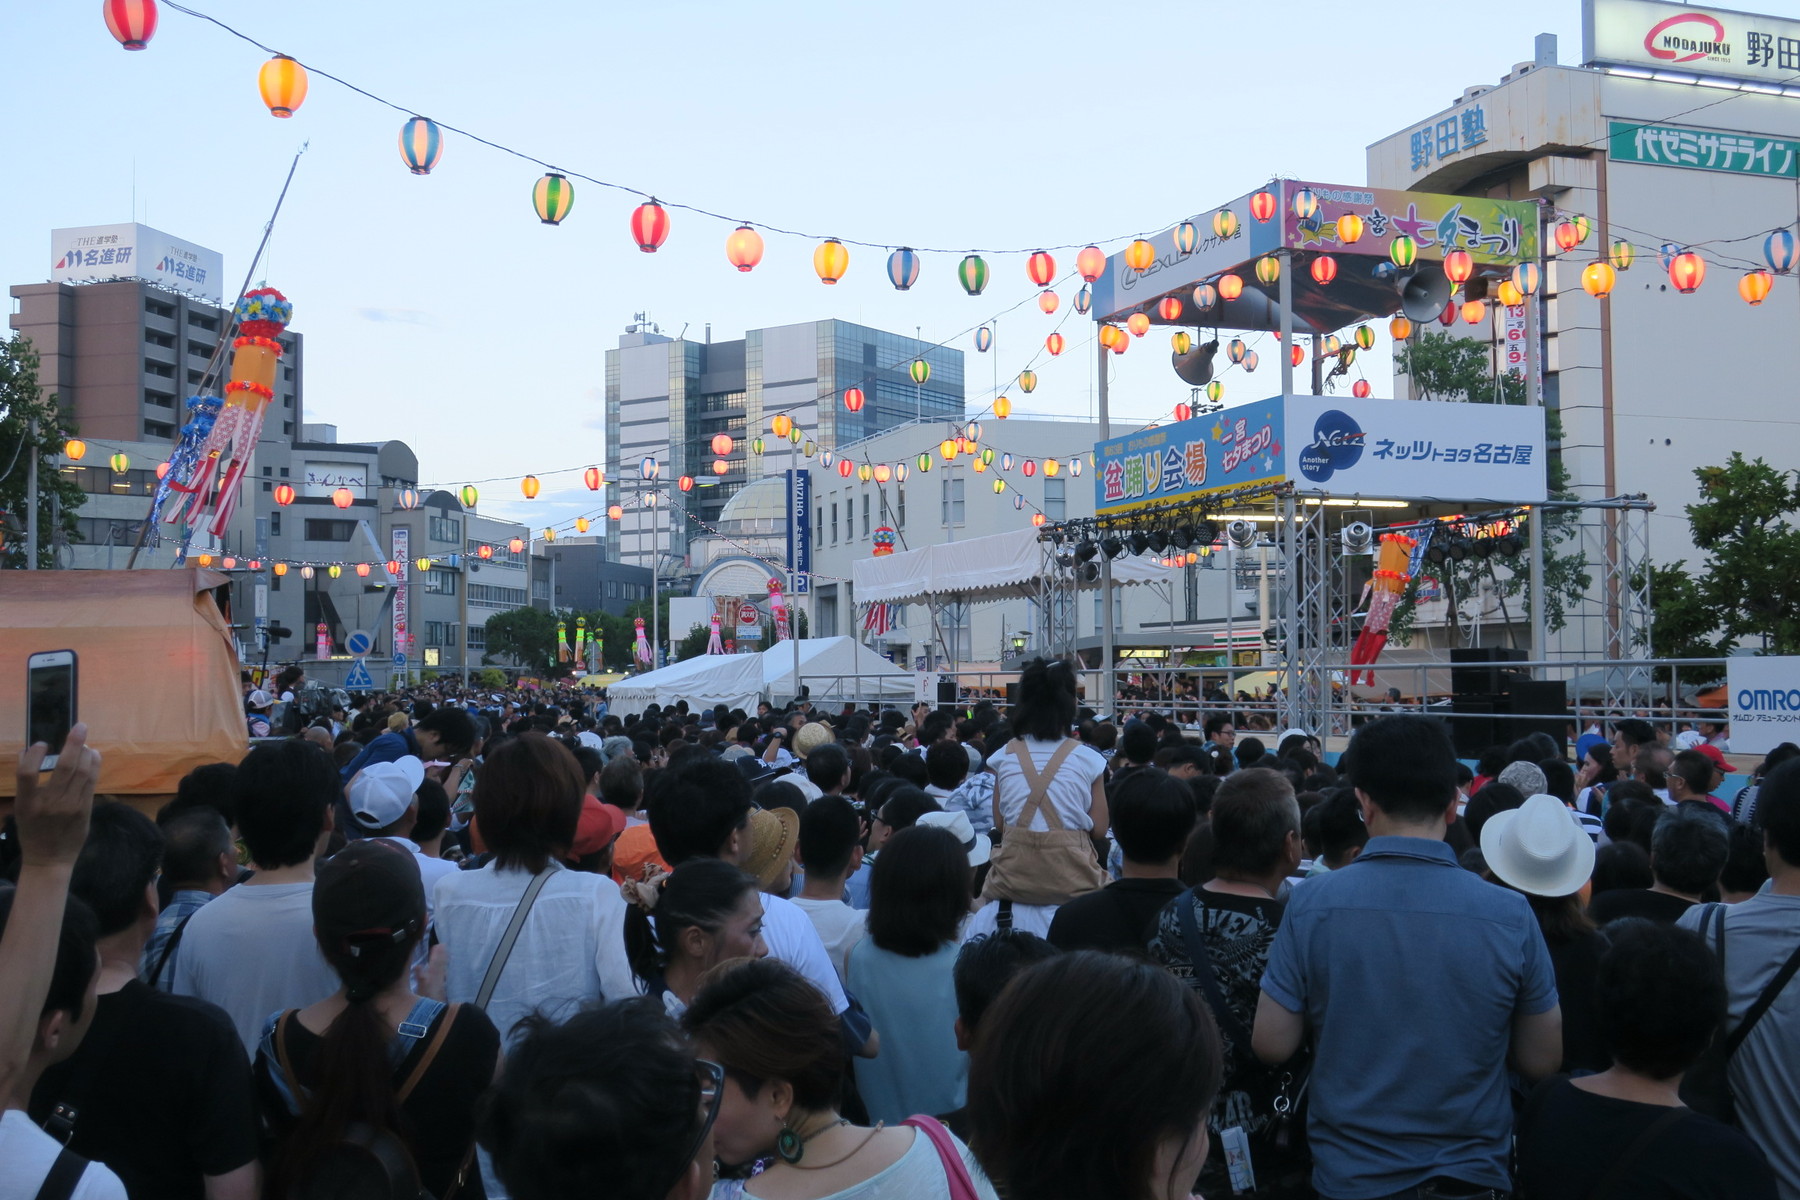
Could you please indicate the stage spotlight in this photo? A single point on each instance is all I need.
(1089, 572)
(1138, 543)
(1112, 546)
(1181, 537)
(1085, 550)
(1510, 546)
(1359, 536)
(1206, 533)
(1242, 534)
(1159, 541)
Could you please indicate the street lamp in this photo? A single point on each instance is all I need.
(1018, 644)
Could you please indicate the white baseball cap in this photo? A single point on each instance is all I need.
(381, 792)
(979, 848)
(260, 699)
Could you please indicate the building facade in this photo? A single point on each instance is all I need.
(668, 398)
(581, 577)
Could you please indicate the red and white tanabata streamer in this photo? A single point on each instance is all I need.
(1392, 571)
(779, 610)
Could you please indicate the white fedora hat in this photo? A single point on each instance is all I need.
(1538, 848)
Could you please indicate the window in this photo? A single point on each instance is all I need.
(834, 509)
(199, 349)
(1056, 501)
(865, 514)
(953, 502)
(319, 529)
(493, 596)
(900, 495)
(478, 637)
(612, 589)
(159, 399)
(819, 524)
(442, 583)
(159, 339)
(284, 472)
(441, 529)
(210, 324)
(159, 429)
(274, 524)
(160, 370)
(156, 309)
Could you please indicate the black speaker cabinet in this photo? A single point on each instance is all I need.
(1472, 727)
(1536, 706)
(1479, 670)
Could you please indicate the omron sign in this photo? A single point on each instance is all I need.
(1696, 41)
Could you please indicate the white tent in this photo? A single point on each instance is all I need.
(735, 680)
(1005, 566)
(834, 668)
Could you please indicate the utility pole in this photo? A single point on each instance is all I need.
(31, 499)
(1106, 590)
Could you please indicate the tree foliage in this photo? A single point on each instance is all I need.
(1747, 584)
(21, 402)
(1460, 370)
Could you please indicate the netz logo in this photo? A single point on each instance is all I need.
(1669, 41)
(1337, 444)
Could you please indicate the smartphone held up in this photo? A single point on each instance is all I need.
(50, 707)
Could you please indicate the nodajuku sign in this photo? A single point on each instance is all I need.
(1765, 702)
(1704, 149)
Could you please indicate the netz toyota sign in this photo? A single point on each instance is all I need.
(1680, 38)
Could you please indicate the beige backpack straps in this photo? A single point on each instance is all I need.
(1039, 785)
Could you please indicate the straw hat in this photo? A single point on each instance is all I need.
(1538, 848)
(811, 737)
(773, 833)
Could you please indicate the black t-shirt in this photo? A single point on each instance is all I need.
(169, 1100)
(441, 1110)
(1570, 1140)
(1660, 907)
(1120, 916)
(1576, 963)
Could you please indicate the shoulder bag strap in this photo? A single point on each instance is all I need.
(1623, 1164)
(1187, 907)
(504, 950)
(956, 1172)
(1762, 1003)
(287, 1064)
(431, 1049)
(162, 960)
(65, 1173)
(1039, 784)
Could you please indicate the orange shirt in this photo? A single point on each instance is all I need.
(635, 847)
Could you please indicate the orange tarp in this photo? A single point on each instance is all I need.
(157, 680)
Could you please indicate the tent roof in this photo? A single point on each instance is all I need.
(1004, 566)
(834, 668)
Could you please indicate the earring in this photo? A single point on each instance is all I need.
(788, 1145)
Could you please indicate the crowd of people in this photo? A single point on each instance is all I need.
(448, 945)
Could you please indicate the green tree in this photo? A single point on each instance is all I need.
(1460, 370)
(694, 644)
(525, 635)
(1747, 584)
(58, 497)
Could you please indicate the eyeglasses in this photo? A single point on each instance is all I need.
(712, 1083)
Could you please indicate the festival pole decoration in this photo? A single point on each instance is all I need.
(884, 542)
(321, 641)
(581, 639)
(778, 609)
(713, 643)
(210, 482)
(1392, 571)
(562, 641)
(596, 652)
(641, 650)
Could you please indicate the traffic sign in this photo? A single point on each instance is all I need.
(400, 660)
(358, 678)
(360, 642)
(747, 614)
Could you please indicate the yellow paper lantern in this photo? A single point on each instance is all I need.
(282, 82)
(831, 260)
(1139, 255)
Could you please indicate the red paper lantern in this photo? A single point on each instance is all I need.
(284, 494)
(1296, 354)
(743, 248)
(854, 399)
(722, 444)
(484, 551)
(1030, 468)
(1687, 271)
(1037, 519)
(1168, 308)
(1041, 268)
(343, 497)
(846, 468)
(1048, 301)
(650, 226)
(362, 569)
(1090, 264)
(593, 477)
(1231, 286)
(1183, 411)
(1324, 269)
(1361, 389)
(133, 22)
(1262, 206)
(1054, 344)
(685, 483)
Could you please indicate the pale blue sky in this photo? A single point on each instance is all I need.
(438, 310)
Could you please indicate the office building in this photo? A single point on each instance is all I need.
(580, 577)
(667, 398)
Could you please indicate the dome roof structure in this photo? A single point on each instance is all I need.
(763, 500)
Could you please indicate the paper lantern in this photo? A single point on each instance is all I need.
(865, 472)
(1048, 301)
(530, 486)
(722, 444)
(1235, 350)
(1139, 255)
(468, 495)
(1324, 269)
(1184, 411)
(1084, 299)
(1181, 342)
(808, 448)
(407, 498)
(1508, 293)
(1018, 500)
(362, 569)
(74, 449)
(343, 497)
(1400, 329)
(1268, 269)
(1109, 334)
(1623, 255)
(1225, 224)
(743, 248)
(1215, 391)
(1002, 407)
(424, 564)
(1029, 469)
(1006, 462)
(1687, 271)
(1754, 287)
(648, 467)
(516, 545)
(1052, 466)
(1054, 344)
(1186, 238)
(484, 551)
(1296, 355)
(649, 226)
(281, 568)
(1365, 337)
(984, 339)
(162, 470)
(999, 484)
(1779, 251)
(720, 466)
(1447, 318)
(549, 534)
(1360, 389)
(831, 260)
(334, 570)
(132, 22)
(1169, 308)
(781, 425)
(1526, 277)
(883, 472)
(846, 468)
(1597, 279)
(1458, 266)
(282, 82)
(1306, 205)
(1567, 236)
(1402, 251)
(883, 541)
(1040, 268)
(903, 268)
(1230, 287)
(614, 512)
(853, 399)
(306, 572)
(685, 483)
(392, 565)
(1138, 323)
(794, 436)
(1475, 310)
(1330, 344)
(421, 145)
(972, 273)
(593, 478)
(553, 196)
(1250, 361)
(120, 463)
(1027, 381)
(284, 494)
(1262, 206)
(1090, 264)
(205, 560)
(1349, 229)
(920, 371)
(1583, 227)
(756, 445)
(1205, 296)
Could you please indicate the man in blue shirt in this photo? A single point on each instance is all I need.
(1417, 979)
(445, 735)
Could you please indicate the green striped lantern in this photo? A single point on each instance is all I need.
(469, 495)
(1225, 224)
(1215, 391)
(920, 371)
(757, 445)
(1268, 269)
(1365, 337)
(1403, 250)
(972, 273)
(553, 197)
